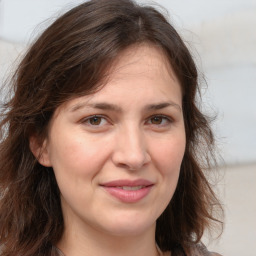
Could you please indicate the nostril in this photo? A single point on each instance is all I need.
(127, 166)
(131, 164)
(130, 152)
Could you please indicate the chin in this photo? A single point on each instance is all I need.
(130, 226)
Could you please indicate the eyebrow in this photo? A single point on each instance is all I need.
(162, 105)
(100, 105)
(115, 108)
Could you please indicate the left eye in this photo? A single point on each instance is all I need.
(159, 120)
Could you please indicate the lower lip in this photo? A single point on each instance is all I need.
(128, 196)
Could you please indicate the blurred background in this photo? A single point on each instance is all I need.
(222, 36)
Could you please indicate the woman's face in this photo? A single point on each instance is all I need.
(117, 153)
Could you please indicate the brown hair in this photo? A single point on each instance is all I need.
(70, 59)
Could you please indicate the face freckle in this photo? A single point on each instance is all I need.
(117, 153)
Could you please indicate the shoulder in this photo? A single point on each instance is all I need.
(192, 250)
(201, 250)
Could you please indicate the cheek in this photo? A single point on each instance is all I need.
(168, 156)
(169, 153)
(77, 151)
(77, 159)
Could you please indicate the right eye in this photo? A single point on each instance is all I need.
(94, 120)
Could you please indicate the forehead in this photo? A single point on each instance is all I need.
(141, 59)
(141, 69)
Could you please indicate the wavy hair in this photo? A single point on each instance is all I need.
(71, 58)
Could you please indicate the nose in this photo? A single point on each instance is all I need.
(130, 149)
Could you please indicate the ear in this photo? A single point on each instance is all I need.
(40, 151)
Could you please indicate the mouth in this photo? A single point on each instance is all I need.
(128, 191)
(131, 188)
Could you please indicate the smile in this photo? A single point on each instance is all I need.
(128, 191)
(131, 188)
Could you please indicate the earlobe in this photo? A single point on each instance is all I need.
(40, 151)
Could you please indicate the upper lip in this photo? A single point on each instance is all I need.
(128, 183)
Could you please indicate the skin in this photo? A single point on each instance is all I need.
(126, 140)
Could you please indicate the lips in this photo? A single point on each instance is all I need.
(131, 188)
(128, 191)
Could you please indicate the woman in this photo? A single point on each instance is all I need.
(103, 147)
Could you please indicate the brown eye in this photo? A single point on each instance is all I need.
(159, 121)
(156, 120)
(95, 120)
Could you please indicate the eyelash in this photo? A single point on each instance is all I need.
(100, 117)
(163, 117)
(87, 119)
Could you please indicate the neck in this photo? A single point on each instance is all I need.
(77, 242)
